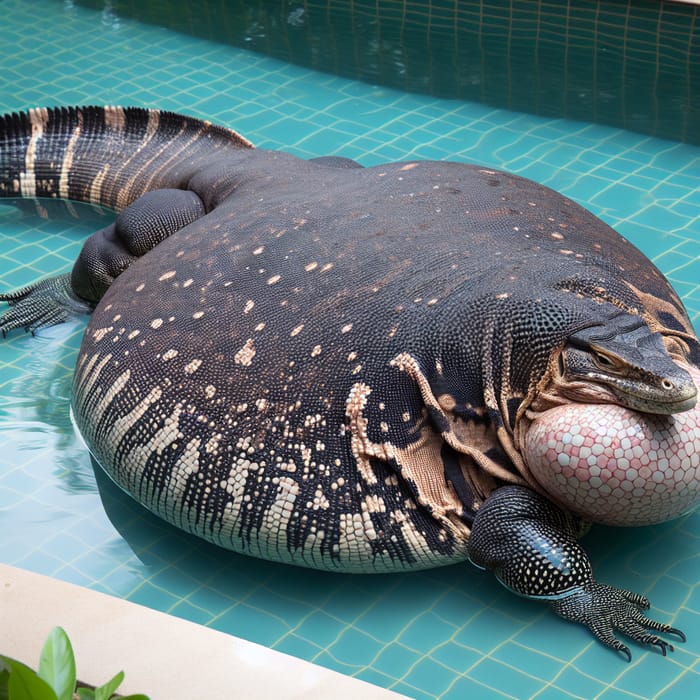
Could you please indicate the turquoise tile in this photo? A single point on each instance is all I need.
(72, 575)
(616, 694)
(427, 635)
(354, 647)
(123, 580)
(187, 611)
(686, 685)
(420, 632)
(411, 692)
(649, 680)
(670, 590)
(231, 573)
(454, 604)
(585, 685)
(320, 628)
(210, 600)
(468, 687)
(99, 563)
(373, 676)
(487, 637)
(41, 561)
(175, 582)
(296, 646)
(66, 546)
(553, 640)
(431, 676)
(554, 692)
(620, 197)
(652, 241)
(155, 597)
(328, 660)
(396, 661)
(346, 603)
(506, 678)
(12, 548)
(684, 571)
(244, 621)
(661, 218)
(291, 611)
(536, 663)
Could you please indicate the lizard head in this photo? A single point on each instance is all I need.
(631, 362)
(615, 437)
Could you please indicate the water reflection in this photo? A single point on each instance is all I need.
(36, 371)
(227, 588)
(553, 59)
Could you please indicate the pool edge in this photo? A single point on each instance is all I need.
(161, 655)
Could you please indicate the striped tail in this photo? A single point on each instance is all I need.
(105, 155)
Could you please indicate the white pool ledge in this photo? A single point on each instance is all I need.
(163, 656)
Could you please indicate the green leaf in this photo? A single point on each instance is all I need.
(57, 664)
(25, 684)
(138, 696)
(85, 694)
(105, 692)
(4, 681)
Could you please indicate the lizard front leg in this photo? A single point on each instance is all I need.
(531, 546)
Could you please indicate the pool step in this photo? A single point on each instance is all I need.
(163, 656)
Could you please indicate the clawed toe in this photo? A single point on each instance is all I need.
(606, 610)
(46, 303)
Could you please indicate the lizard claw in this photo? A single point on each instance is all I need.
(606, 609)
(44, 303)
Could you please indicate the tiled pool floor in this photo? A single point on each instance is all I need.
(449, 633)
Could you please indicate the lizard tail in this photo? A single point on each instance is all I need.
(104, 155)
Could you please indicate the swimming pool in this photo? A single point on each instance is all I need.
(438, 634)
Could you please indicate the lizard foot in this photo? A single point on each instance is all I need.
(45, 303)
(606, 609)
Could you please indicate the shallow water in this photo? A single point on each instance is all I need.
(439, 634)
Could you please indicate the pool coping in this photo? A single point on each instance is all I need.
(161, 655)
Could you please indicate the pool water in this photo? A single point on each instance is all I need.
(447, 633)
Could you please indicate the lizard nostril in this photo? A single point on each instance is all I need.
(667, 384)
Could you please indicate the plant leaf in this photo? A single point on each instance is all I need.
(57, 664)
(138, 696)
(85, 693)
(4, 681)
(25, 684)
(105, 692)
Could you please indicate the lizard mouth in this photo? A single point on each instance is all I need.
(674, 393)
(612, 464)
(657, 406)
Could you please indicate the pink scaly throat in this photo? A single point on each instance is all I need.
(610, 464)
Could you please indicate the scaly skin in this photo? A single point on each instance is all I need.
(613, 465)
(337, 367)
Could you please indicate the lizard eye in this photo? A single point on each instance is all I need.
(605, 361)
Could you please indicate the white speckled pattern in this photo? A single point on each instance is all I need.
(617, 466)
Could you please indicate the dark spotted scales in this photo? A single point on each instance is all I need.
(323, 364)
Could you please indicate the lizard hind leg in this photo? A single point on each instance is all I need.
(138, 229)
(106, 254)
(41, 304)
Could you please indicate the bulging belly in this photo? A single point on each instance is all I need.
(613, 465)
